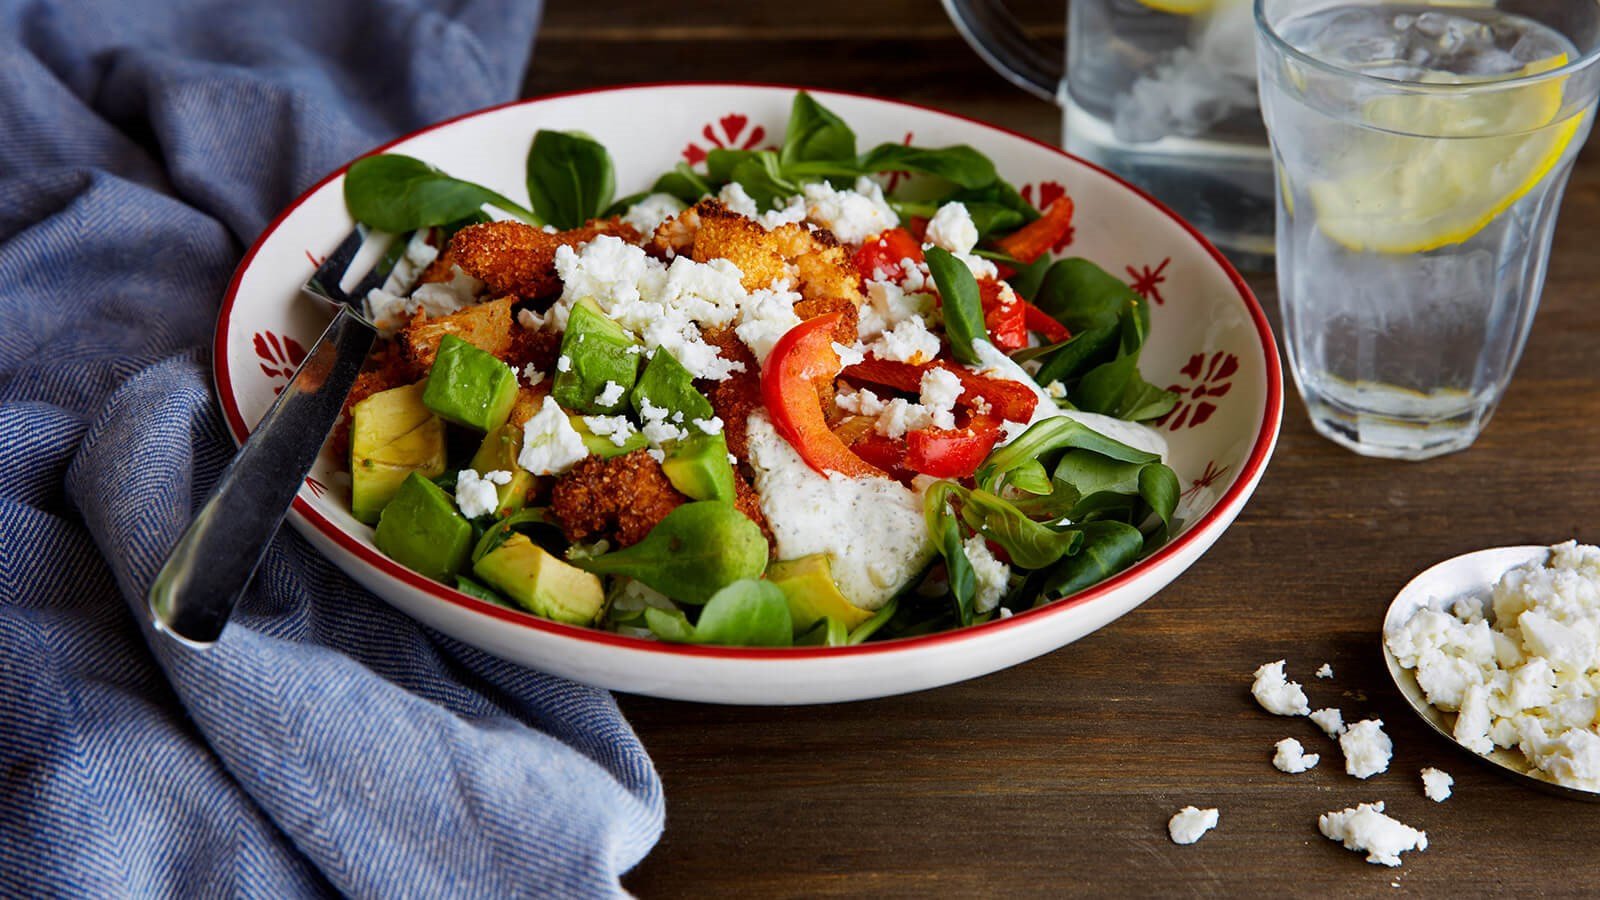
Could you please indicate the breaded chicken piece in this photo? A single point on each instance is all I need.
(487, 326)
(724, 234)
(747, 501)
(518, 259)
(621, 498)
(734, 398)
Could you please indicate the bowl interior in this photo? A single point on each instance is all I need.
(1208, 341)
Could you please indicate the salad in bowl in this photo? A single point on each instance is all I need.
(785, 396)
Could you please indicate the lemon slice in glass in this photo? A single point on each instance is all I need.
(1405, 193)
(1178, 7)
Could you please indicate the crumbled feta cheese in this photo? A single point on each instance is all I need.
(441, 298)
(900, 416)
(530, 320)
(1056, 390)
(992, 575)
(550, 445)
(1276, 694)
(531, 376)
(872, 529)
(735, 197)
(611, 394)
(1330, 720)
(617, 428)
(1436, 784)
(659, 429)
(852, 215)
(849, 356)
(940, 389)
(1006, 613)
(952, 228)
(1364, 828)
(888, 304)
(765, 316)
(862, 403)
(563, 363)
(1531, 679)
(1291, 757)
(910, 341)
(476, 496)
(1325, 671)
(1366, 748)
(712, 425)
(1189, 824)
(793, 210)
(648, 214)
(656, 454)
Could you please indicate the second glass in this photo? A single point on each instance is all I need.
(1421, 152)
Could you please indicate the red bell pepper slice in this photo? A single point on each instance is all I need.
(1006, 322)
(888, 454)
(1034, 239)
(801, 357)
(952, 453)
(1048, 326)
(1007, 399)
(881, 254)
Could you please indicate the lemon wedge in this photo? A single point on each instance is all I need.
(1178, 7)
(1402, 193)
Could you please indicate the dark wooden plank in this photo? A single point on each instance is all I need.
(1060, 774)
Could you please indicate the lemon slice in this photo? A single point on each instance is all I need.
(1178, 7)
(1407, 194)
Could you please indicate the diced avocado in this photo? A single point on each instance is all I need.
(668, 385)
(392, 434)
(603, 446)
(540, 583)
(807, 583)
(469, 386)
(498, 452)
(597, 353)
(699, 467)
(421, 530)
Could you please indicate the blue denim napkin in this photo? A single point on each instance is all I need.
(327, 744)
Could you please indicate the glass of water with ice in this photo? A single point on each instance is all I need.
(1421, 152)
(1163, 93)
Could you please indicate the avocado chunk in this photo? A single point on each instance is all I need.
(596, 352)
(498, 452)
(469, 386)
(699, 467)
(540, 583)
(807, 583)
(421, 530)
(666, 384)
(392, 434)
(602, 445)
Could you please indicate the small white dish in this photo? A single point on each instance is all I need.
(1209, 341)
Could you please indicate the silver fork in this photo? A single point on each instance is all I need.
(211, 564)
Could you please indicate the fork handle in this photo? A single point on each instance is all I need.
(211, 564)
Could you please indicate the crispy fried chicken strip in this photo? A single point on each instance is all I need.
(517, 259)
(621, 498)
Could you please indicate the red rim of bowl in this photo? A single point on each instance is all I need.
(1259, 453)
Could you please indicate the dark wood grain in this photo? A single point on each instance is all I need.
(1059, 775)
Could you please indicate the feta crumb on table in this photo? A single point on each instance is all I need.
(1436, 784)
(1292, 758)
(1189, 824)
(1330, 720)
(1276, 694)
(1365, 828)
(1366, 748)
(1326, 671)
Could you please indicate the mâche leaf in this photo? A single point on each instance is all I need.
(570, 177)
(396, 193)
(696, 550)
(1108, 548)
(747, 613)
(963, 308)
(960, 164)
(815, 133)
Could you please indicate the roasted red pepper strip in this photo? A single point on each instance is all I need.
(952, 453)
(1007, 399)
(1045, 324)
(888, 454)
(788, 389)
(881, 254)
(1034, 239)
(1006, 322)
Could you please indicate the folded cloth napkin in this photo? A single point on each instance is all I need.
(327, 744)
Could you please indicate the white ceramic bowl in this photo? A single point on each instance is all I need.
(1209, 341)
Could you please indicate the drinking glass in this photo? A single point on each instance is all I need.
(1421, 152)
(1163, 93)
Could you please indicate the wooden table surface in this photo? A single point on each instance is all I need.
(1059, 775)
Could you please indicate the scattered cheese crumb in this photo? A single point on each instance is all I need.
(611, 394)
(531, 376)
(1330, 720)
(617, 428)
(1276, 694)
(1366, 828)
(564, 363)
(1436, 784)
(1366, 748)
(550, 445)
(1325, 672)
(1189, 824)
(1292, 758)
(476, 495)
(992, 575)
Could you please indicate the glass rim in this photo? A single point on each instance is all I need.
(1265, 29)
